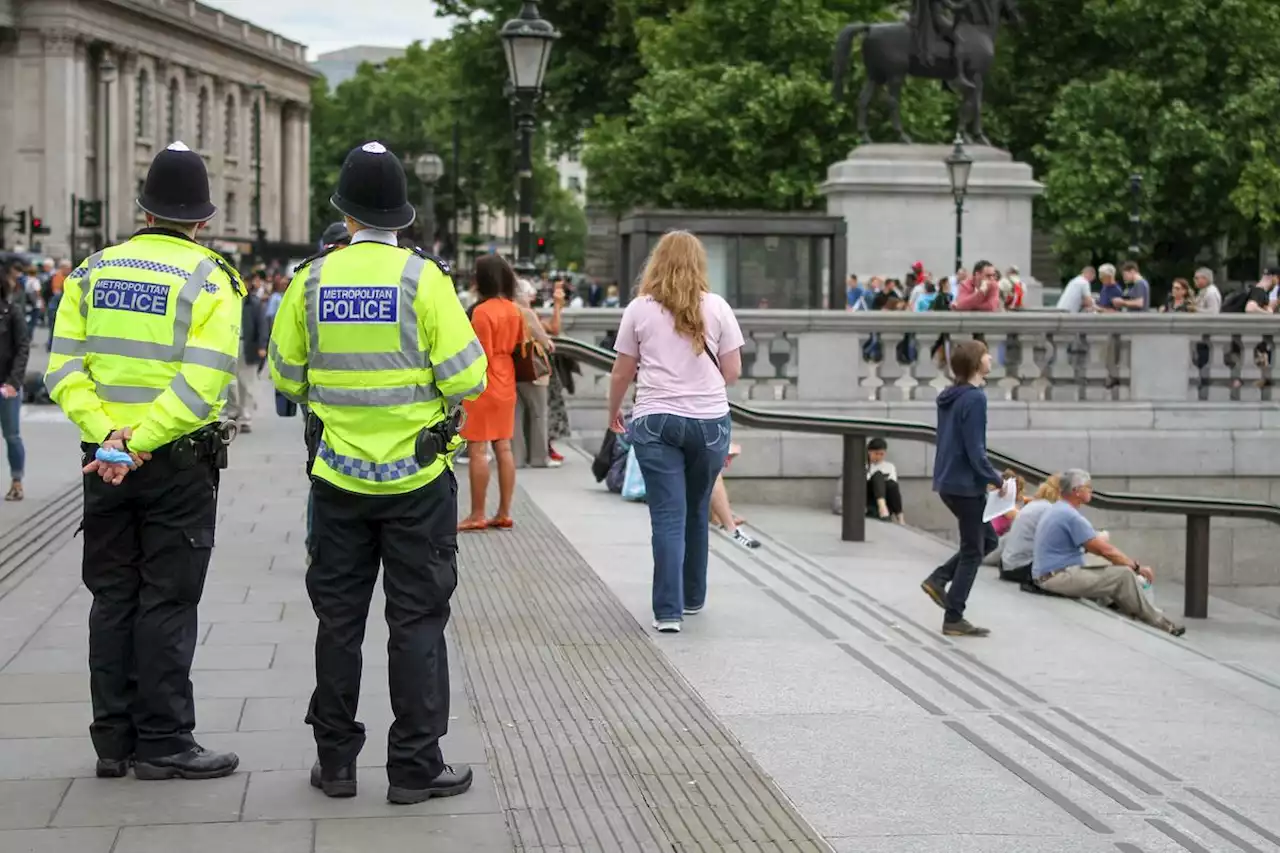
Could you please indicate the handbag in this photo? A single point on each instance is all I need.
(530, 358)
(633, 480)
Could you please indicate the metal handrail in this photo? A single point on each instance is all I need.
(856, 431)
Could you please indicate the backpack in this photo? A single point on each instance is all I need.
(1236, 301)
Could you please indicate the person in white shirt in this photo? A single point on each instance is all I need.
(1077, 296)
(1208, 297)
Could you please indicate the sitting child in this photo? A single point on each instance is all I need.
(884, 497)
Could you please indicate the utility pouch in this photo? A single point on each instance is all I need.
(183, 453)
(314, 432)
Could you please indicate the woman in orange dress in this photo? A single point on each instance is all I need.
(491, 417)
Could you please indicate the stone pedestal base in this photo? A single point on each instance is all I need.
(897, 202)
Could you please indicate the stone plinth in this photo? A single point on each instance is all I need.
(897, 202)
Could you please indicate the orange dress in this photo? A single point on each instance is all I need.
(500, 327)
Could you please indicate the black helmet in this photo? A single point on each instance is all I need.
(334, 234)
(372, 189)
(177, 187)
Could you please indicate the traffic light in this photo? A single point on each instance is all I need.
(542, 243)
(89, 214)
(37, 224)
(22, 222)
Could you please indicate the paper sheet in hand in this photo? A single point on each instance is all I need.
(1000, 501)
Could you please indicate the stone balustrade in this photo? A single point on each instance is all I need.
(810, 356)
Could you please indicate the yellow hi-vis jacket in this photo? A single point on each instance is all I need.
(147, 336)
(373, 339)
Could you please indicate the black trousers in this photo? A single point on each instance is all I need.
(881, 488)
(147, 544)
(414, 537)
(977, 540)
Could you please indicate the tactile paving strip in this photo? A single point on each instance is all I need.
(596, 742)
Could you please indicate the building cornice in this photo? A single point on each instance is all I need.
(170, 17)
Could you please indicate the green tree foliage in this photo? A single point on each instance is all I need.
(735, 109)
(1180, 92)
(411, 104)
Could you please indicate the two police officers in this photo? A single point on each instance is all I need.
(373, 340)
(148, 333)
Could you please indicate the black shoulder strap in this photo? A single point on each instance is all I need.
(317, 256)
(237, 284)
(706, 345)
(439, 262)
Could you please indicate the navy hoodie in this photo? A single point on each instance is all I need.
(961, 466)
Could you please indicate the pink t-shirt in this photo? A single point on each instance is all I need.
(673, 380)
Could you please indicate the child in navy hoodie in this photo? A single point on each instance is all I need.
(962, 474)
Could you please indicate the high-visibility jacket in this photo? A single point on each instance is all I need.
(147, 336)
(373, 340)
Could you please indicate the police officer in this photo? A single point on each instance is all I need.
(373, 340)
(335, 235)
(148, 334)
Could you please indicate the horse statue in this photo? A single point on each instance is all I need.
(892, 52)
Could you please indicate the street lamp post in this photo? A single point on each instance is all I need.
(429, 168)
(527, 41)
(107, 71)
(1135, 217)
(259, 233)
(959, 166)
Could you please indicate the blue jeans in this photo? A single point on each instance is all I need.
(680, 459)
(10, 425)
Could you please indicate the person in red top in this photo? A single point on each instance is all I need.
(982, 291)
(491, 417)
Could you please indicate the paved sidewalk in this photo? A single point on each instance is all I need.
(584, 738)
(1070, 729)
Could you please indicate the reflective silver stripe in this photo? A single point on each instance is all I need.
(401, 395)
(408, 294)
(127, 393)
(363, 469)
(51, 381)
(85, 273)
(190, 397)
(68, 346)
(370, 361)
(187, 300)
(211, 359)
(475, 390)
(288, 371)
(455, 364)
(101, 345)
(311, 299)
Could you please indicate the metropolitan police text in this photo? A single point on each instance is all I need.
(359, 304)
(137, 296)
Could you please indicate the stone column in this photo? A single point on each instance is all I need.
(63, 140)
(292, 149)
(304, 186)
(124, 126)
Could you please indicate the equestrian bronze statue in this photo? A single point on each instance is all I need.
(953, 41)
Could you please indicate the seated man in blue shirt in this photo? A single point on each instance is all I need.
(1059, 564)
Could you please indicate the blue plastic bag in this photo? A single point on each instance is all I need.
(633, 480)
(119, 457)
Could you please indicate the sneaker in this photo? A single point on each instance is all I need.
(935, 590)
(554, 463)
(1175, 629)
(667, 626)
(963, 628)
(694, 611)
(744, 540)
(554, 455)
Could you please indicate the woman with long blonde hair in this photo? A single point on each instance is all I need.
(681, 345)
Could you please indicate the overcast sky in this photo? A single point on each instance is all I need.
(325, 25)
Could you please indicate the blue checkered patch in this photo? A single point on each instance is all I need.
(339, 304)
(377, 472)
(209, 287)
(139, 297)
(149, 266)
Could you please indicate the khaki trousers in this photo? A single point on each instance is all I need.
(1112, 583)
(530, 440)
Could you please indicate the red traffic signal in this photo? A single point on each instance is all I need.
(37, 223)
(542, 242)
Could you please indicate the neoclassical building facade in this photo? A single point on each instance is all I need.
(90, 90)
